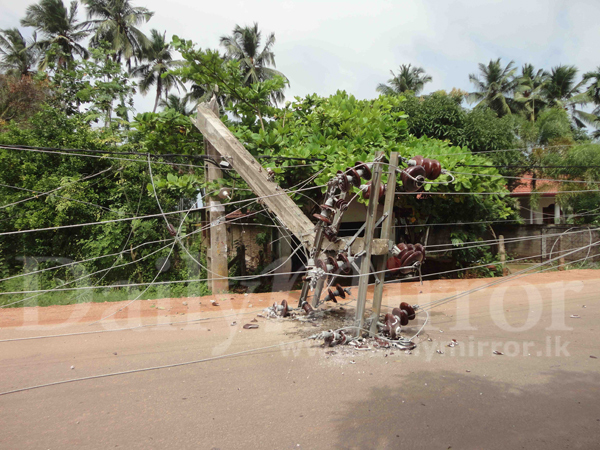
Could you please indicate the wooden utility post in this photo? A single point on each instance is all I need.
(386, 234)
(217, 251)
(365, 267)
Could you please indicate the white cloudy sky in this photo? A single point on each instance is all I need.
(327, 45)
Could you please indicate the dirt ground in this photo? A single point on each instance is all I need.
(541, 389)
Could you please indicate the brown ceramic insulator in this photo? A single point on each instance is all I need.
(393, 264)
(307, 308)
(326, 208)
(392, 325)
(403, 255)
(333, 263)
(367, 193)
(343, 338)
(402, 315)
(432, 167)
(330, 234)
(343, 182)
(410, 260)
(409, 310)
(285, 310)
(329, 339)
(341, 205)
(366, 172)
(340, 291)
(418, 160)
(412, 178)
(323, 219)
(320, 264)
(347, 268)
(355, 177)
(331, 295)
(401, 246)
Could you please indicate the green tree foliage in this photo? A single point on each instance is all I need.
(409, 78)
(117, 22)
(57, 25)
(19, 56)
(251, 102)
(440, 116)
(494, 87)
(100, 84)
(158, 60)
(562, 90)
(256, 64)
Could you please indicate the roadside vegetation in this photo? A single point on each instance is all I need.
(67, 87)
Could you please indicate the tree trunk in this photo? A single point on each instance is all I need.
(158, 92)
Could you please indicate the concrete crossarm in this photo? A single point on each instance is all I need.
(252, 172)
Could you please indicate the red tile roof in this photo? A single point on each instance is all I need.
(525, 186)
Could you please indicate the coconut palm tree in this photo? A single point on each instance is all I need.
(408, 79)
(529, 92)
(116, 22)
(18, 56)
(244, 46)
(495, 87)
(57, 27)
(593, 93)
(158, 57)
(563, 91)
(179, 104)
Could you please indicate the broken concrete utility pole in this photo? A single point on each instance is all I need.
(270, 193)
(217, 250)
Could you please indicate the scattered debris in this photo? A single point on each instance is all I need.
(185, 303)
(233, 323)
(254, 320)
(496, 352)
(214, 303)
(72, 367)
(454, 343)
(162, 308)
(593, 357)
(250, 326)
(575, 316)
(250, 305)
(440, 352)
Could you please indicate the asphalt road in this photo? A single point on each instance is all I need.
(543, 392)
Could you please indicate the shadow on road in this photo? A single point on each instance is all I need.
(446, 410)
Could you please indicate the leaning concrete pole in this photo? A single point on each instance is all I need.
(217, 250)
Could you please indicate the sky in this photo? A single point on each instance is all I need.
(323, 46)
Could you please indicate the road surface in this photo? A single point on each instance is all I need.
(543, 392)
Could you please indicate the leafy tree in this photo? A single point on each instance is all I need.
(530, 91)
(244, 46)
(18, 56)
(593, 93)
(179, 104)
(440, 116)
(207, 68)
(495, 87)
(158, 57)
(21, 97)
(408, 79)
(57, 26)
(116, 22)
(562, 90)
(101, 84)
